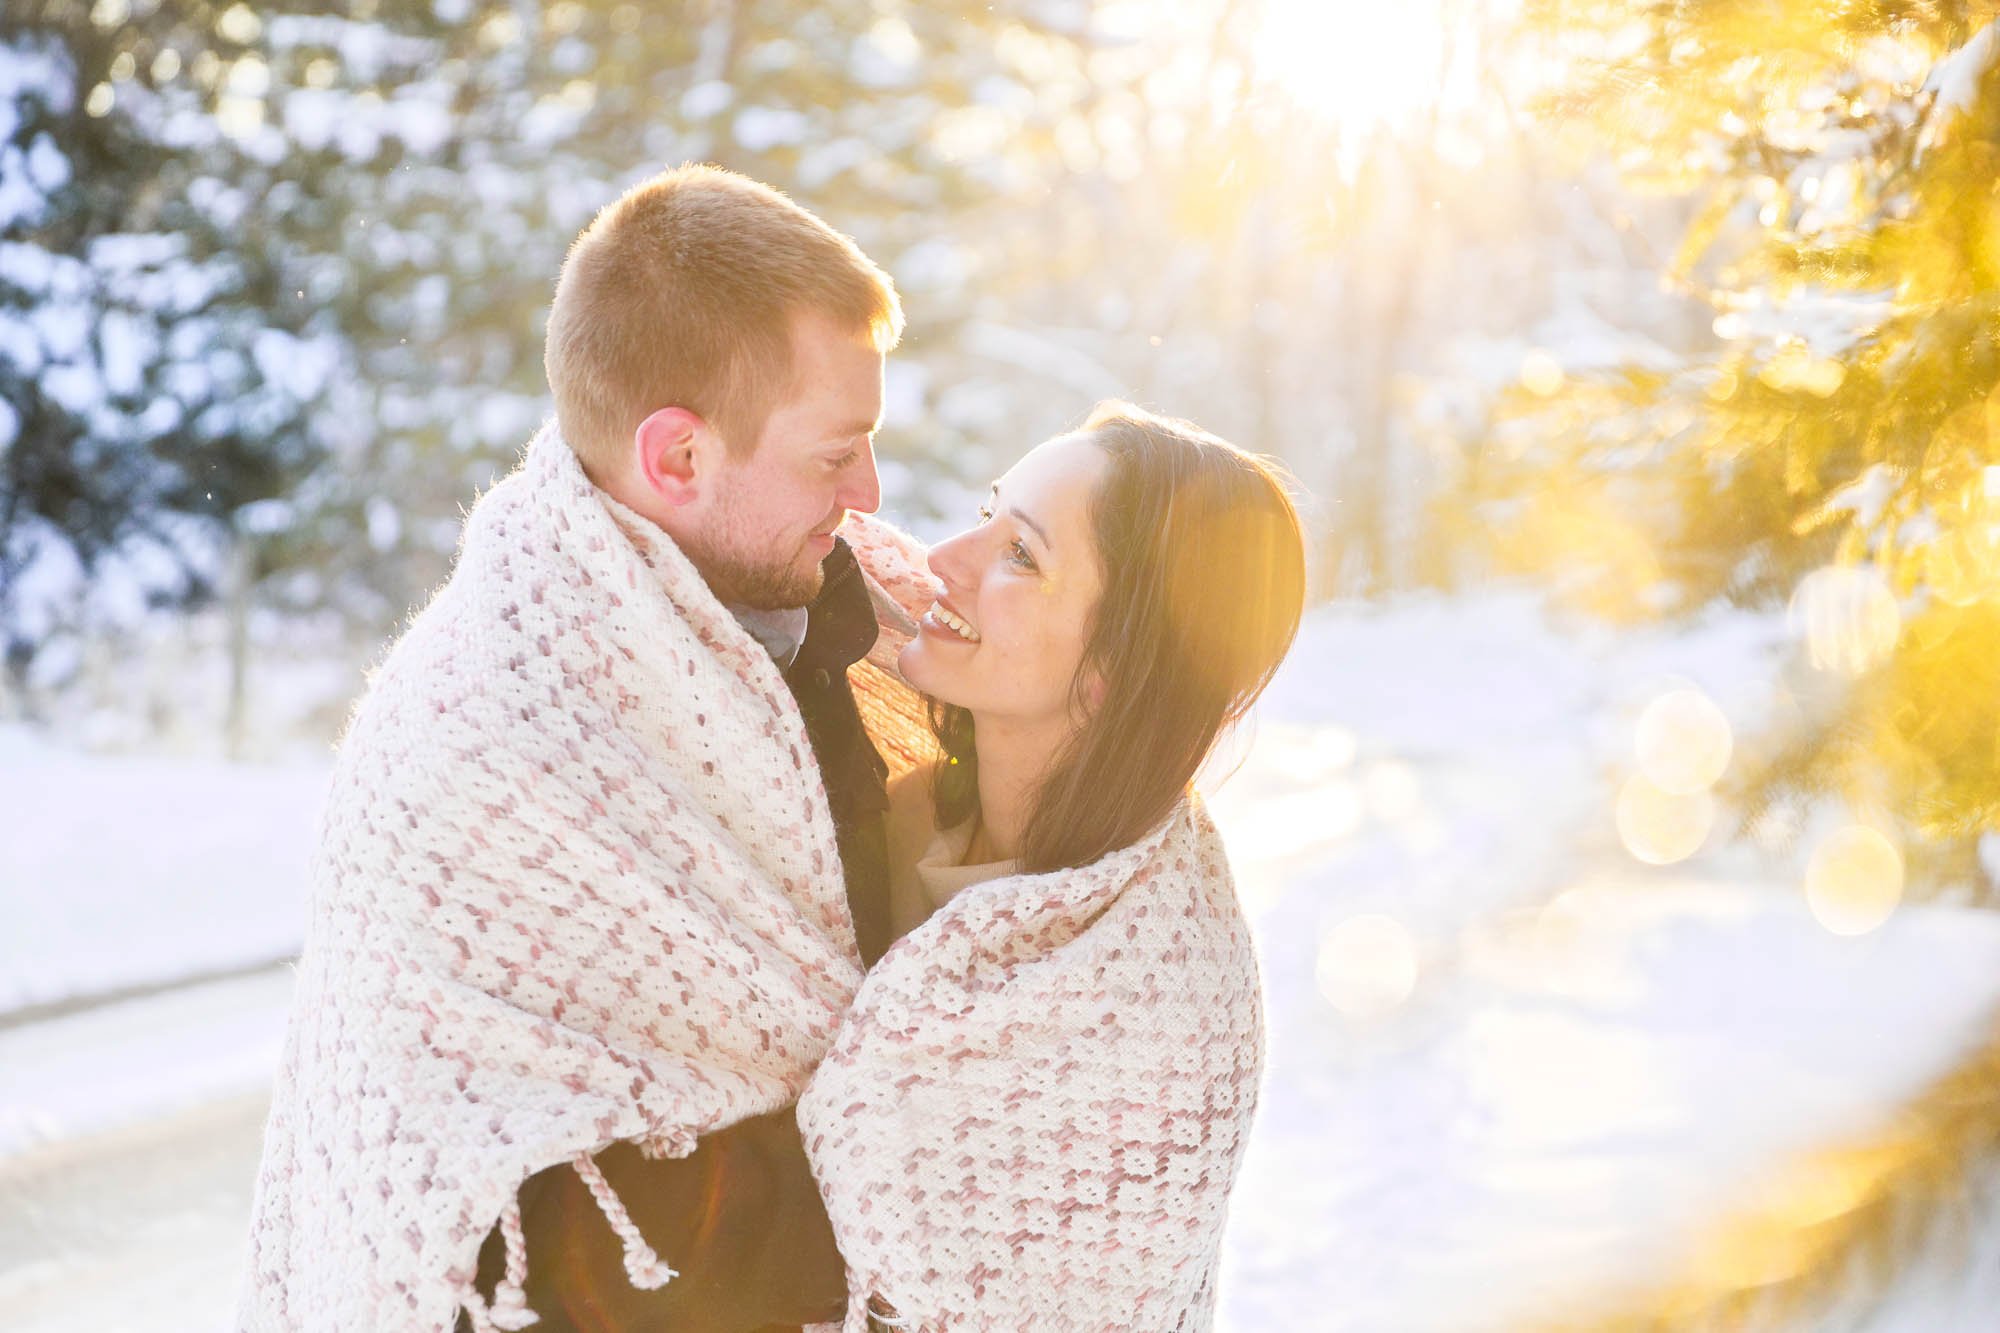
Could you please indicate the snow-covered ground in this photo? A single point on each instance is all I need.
(1512, 1068)
(128, 872)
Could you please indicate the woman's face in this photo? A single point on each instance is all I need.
(1005, 638)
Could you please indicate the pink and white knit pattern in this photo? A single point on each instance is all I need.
(577, 883)
(1036, 1108)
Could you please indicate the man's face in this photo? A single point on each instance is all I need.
(771, 515)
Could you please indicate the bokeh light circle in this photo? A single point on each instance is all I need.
(1683, 742)
(1367, 964)
(1662, 827)
(1854, 880)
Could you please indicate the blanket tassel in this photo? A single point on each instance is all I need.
(475, 1311)
(863, 1313)
(509, 1312)
(641, 1264)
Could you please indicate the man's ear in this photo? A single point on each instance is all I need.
(673, 452)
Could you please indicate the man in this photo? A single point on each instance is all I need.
(716, 359)
(544, 914)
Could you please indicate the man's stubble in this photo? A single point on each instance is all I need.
(750, 577)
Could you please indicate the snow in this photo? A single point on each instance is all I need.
(819, 163)
(1041, 354)
(19, 345)
(1577, 1065)
(886, 56)
(75, 387)
(47, 167)
(25, 266)
(122, 872)
(298, 366)
(21, 201)
(64, 329)
(116, 1065)
(125, 344)
(709, 98)
(43, 75)
(385, 525)
(422, 118)
(266, 518)
(759, 129)
(311, 116)
(1955, 79)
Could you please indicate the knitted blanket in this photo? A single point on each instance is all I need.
(1035, 1110)
(577, 883)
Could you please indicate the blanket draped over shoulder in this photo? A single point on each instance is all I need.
(577, 883)
(1035, 1110)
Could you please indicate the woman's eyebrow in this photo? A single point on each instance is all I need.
(1033, 526)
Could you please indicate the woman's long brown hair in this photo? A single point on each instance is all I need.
(1204, 583)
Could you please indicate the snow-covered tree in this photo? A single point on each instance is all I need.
(337, 234)
(153, 382)
(1832, 444)
(1830, 447)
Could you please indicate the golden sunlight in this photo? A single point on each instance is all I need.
(1362, 66)
(1848, 617)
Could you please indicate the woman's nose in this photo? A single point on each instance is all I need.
(952, 558)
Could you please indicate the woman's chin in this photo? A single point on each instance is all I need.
(921, 668)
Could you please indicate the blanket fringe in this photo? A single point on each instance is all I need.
(510, 1312)
(863, 1315)
(680, 1141)
(641, 1264)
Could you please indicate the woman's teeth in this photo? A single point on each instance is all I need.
(953, 623)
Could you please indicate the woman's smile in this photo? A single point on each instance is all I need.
(942, 620)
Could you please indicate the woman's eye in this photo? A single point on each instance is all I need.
(1018, 555)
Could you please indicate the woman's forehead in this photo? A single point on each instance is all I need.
(1058, 473)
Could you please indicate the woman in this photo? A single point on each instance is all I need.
(1036, 1107)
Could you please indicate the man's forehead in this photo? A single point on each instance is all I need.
(829, 409)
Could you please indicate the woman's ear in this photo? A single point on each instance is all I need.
(670, 453)
(1094, 689)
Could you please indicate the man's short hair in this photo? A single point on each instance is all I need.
(682, 292)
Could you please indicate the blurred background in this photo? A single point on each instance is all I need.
(1623, 837)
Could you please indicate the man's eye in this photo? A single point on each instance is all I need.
(986, 513)
(838, 463)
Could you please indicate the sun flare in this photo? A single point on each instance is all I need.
(1360, 66)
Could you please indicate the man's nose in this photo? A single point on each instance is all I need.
(860, 488)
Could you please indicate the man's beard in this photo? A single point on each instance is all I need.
(759, 585)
